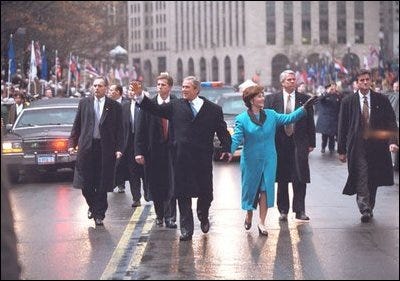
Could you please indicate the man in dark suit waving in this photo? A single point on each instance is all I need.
(194, 120)
(97, 134)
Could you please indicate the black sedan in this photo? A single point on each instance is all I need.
(38, 140)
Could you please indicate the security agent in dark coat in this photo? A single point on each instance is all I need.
(121, 171)
(366, 141)
(131, 119)
(292, 151)
(194, 131)
(98, 146)
(328, 116)
(153, 149)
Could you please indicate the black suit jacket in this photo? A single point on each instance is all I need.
(383, 123)
(157, 151)
(193, 143)
(303, 137)
(111, 134)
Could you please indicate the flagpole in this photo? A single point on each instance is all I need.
(9, 72)
(55, 72)
(69, 73)
(84, 75)
(30, 72)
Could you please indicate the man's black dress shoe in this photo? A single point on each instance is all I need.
(159, 222)
(366, 217)
(205, 225)
(170, 224)
(98, 221)
(302, 216)
(283, 217)
(89, 214)
(136, 203)
(185, 237)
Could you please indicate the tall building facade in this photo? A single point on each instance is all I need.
(232, 41)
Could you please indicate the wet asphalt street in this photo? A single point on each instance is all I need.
(57, 241)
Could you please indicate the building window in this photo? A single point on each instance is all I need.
(227, 67)
(271, 29)
(215, 69)
(223, 24)
(237, 22)
(203, 71)
(306, 22)
(191, 67)
(179, 72)
(341, 22)
(323, 22)
(243, 24)
(288, 22)
(359, 22)
(240, 69)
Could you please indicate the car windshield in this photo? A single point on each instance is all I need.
(232, 105)
(46, 117)
(212, 94)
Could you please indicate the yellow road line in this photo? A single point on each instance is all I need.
(119, 251)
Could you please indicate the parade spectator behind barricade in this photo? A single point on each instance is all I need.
(367, 134)
(255, 129)
(48, 94)
(153, 148)
(328, 116)
(195, 121)
(17, 107)
(97, 133)
(302, 88)
(121, 174)
(294, 142)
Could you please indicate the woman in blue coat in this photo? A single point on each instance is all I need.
(255, 128)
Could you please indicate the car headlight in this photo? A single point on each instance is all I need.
(11, 147)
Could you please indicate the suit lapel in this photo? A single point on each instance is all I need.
(105, 110)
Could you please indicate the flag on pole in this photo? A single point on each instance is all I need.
(339, 67)
(33, 69)
(12, 68)
(90, 69)
(44, 65)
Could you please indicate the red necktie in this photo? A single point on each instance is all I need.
(164, 123)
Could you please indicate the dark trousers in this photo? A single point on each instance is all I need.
(328, 140)
(135, 170)
(288, 174)
(165, 209)
(366, 193)
(299, 195)
(93, 190)
(186, 213)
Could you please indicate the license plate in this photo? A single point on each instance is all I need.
(45, 159)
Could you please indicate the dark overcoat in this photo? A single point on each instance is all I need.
(157, 151)
(383, 127)
(303, 137)
(193, 143)
(111, 133)
(328, 114)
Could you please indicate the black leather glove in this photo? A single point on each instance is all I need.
(310, 102)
